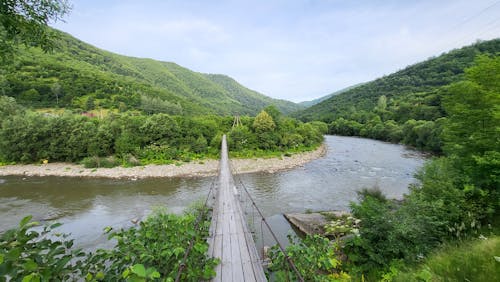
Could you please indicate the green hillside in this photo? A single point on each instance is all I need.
(321, 99)
(253, 101)
(79, 76)
(410, 93)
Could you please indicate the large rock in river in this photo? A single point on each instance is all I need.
(313, 223)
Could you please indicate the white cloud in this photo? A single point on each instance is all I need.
(295, 50)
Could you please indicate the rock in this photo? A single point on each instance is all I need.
(314, 223)
(309, 223)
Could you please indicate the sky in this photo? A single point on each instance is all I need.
(296, 50)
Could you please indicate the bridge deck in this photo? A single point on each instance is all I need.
(230, 239)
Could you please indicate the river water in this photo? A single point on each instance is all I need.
(87, 206)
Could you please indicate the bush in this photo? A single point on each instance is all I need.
(315, 257)
(152, 251)
(30, 255)
(474, 260)
(96, 162)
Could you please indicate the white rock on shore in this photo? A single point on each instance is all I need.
(192, 169)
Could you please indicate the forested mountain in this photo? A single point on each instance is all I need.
(251, 99)
(409, 93)
(321, 99)
(78, 75)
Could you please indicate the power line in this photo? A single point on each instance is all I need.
(446, 41)
(473, 16)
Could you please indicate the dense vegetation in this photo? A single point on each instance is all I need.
(132, 139)
(153, 250)
(406, 106)
(79, 76)
(25, 22)
(456, 200)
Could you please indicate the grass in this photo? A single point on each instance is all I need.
(473, 260)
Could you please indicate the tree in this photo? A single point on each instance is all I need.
(56, 90)
(471, 134)
(25, 22)
(263, 122)
(273, 112)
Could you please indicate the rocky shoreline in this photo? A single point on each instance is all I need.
(191, 169)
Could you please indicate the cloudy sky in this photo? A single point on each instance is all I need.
(290, 49)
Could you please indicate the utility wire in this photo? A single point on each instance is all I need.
(263, 220)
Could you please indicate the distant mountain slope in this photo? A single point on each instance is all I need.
(319, 100)
(421, 79)
(254, 100)
(78, 75)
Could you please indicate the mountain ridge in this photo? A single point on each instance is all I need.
(80, 76)
(422, 77)
(326, 97)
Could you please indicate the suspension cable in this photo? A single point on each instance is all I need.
(289, 259)
(201, 215)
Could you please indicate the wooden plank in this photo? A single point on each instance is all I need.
(217, 253)
(230, 239)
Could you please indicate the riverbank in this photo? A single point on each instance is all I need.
(191, 169)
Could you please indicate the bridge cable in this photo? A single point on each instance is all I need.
(201, 215)
(289, 259)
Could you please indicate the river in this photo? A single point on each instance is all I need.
(87, 206)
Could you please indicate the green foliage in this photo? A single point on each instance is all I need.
(410, 93)
(456, 194)
(472, 129)
(472, 260)
(315, 257)
(25, 22)
(343, 225)
(408, 106)
(95, 162)
(151, 251)
(79, 76)
(9, 107)
(434, 212)
(37, 254)
(133, 139)
(155, 250)
(263, 123)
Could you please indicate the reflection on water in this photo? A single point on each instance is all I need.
(86, 206)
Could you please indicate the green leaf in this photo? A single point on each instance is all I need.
(25, 221)
(99, 275)
(1, 258)
(30, 265)
(13, 254)
(31, 277)
(55, 225)
(154, 275)
(139, 270)
(126, 273)
(88, 277)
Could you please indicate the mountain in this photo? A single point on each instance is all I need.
(408, 94)
(321, 99)
(252, 99)
(80, 76)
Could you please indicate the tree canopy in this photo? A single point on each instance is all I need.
(25, 22)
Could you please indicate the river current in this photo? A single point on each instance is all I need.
(87, 206)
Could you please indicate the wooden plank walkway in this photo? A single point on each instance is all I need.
(230, 239)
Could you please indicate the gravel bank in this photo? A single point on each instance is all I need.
(192, 169)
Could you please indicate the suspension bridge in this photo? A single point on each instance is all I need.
(230, 240)
(229, 237)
